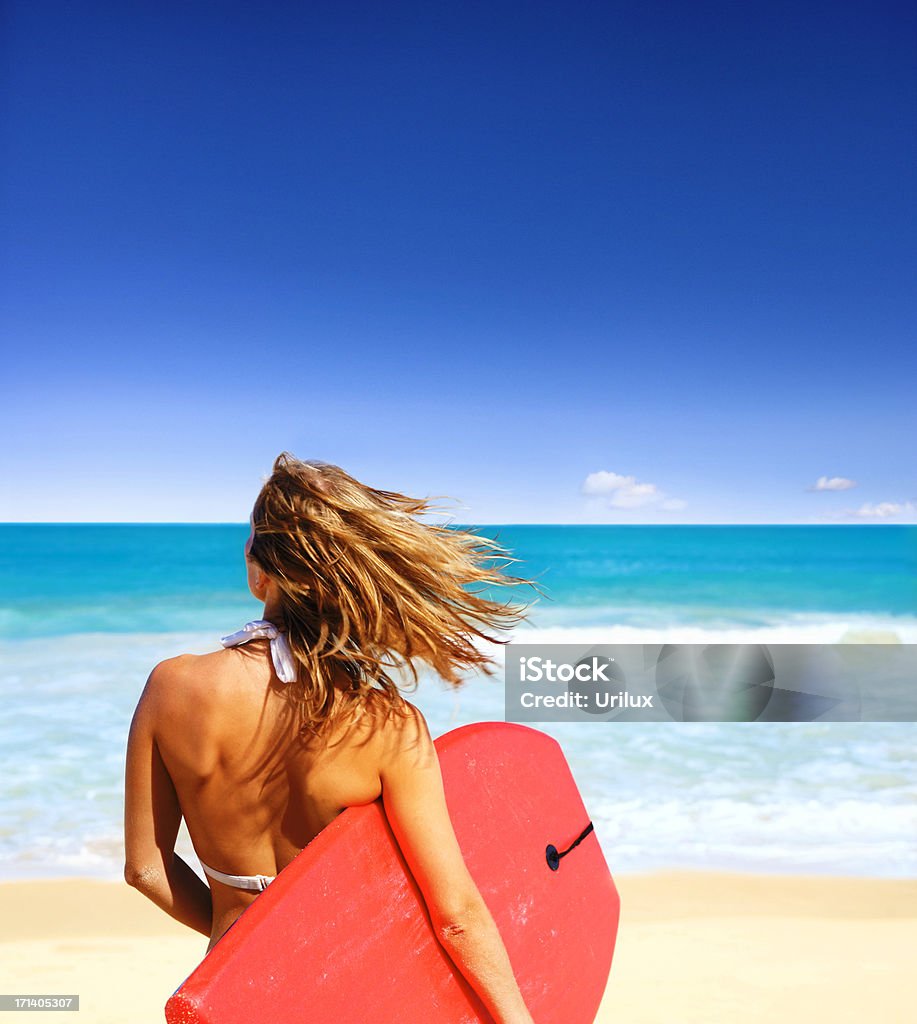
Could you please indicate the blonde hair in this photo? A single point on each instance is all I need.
(367, 588)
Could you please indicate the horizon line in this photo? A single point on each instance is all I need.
(215, 522)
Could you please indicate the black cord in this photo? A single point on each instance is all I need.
(553, 857)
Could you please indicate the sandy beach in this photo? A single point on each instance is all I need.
(693, 947)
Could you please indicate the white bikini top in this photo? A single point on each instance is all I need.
(252, 883)
(281, 655)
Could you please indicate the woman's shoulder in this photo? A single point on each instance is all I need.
(188, 688)
(398, 728)
(184, 675)
(181, 666)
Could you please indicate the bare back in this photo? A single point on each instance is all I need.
(253, 792)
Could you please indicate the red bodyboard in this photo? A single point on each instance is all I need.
(342, 934)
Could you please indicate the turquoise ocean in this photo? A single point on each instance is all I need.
(87, 610)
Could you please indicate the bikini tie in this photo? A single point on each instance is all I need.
(281, 655)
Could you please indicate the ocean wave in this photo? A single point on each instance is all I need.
(785, 628)
(839, 798)
(846, 837)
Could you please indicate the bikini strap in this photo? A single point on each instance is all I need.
(254, 883)
(281, 655)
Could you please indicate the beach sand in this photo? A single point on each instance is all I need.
(692, 947)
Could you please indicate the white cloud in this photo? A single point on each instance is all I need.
(833, 483)
(604, 482)
(625, 492)
(883, 510)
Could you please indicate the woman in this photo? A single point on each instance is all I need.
(260, 745)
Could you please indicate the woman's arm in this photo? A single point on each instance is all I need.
(151, 818)
(412, 793)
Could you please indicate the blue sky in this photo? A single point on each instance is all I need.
(588, 262)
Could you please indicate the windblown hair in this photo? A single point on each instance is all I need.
(367, 588)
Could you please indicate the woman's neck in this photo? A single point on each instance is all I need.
(273, 613)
